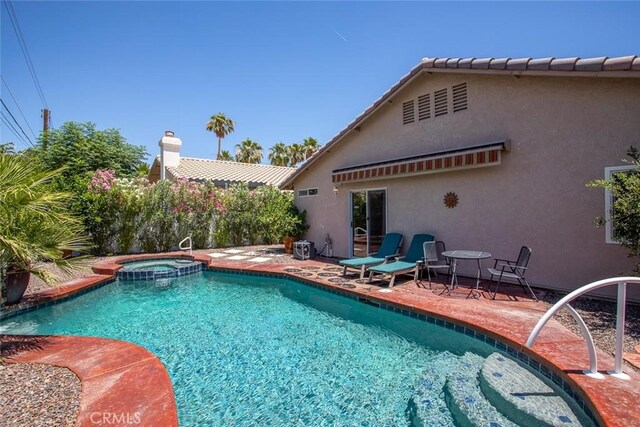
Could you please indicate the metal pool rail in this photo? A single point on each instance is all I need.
(622, 283)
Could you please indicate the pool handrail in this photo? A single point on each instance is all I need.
(620, 322)
(186, 248)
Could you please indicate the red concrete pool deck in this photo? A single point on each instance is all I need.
(121, 382)
(507, 319)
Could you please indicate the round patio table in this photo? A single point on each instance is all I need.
(454, 256)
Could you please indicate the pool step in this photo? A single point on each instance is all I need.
(465, 400)
(525, 398)
(423, 409)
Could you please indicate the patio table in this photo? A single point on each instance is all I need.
(454, 256)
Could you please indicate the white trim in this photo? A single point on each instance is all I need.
(608, 201)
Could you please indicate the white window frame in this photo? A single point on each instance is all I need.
(608, 201)
(306, 192)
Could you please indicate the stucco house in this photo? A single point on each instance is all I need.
(487, 154)
(170, 165)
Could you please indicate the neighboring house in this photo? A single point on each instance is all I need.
(169, 165)
(509, 144)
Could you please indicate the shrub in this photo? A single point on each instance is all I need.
(625, 188)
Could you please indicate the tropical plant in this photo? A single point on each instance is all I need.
(226, 155)
(625, 211)
(248, 151)
(222, 126)
(238, 223)
(296, 154)
(279, 155)
(35, 223)
(311, 146)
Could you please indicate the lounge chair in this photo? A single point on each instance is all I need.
(389, 249)
(409, 263)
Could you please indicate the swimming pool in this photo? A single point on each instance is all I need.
(249, 350)
(161, 268)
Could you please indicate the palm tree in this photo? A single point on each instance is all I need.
(35, 224)
(248, 151)
(226, 155)
(279, 155)
(310, 146)
(221, 126)
(296, 154)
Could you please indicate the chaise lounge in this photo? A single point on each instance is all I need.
(389, 249)
(411, 262)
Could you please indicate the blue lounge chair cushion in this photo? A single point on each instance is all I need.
(393, 267)
(390, 245)
(357, 262)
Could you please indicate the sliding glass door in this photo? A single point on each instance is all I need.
(368, 221)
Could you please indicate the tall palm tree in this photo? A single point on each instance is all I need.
(279, 155)
(248, 151)
(296, 154)
(222, 126)
(226, 155)
(311, 146)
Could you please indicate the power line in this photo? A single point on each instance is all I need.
(17, 105)
(16, 122)
(25, 51)
(11, 128)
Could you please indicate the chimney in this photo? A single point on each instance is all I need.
(169, 152)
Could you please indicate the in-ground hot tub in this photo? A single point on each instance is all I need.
(160, 268)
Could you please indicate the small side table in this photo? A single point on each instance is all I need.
(454, 256)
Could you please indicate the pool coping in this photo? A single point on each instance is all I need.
(559, 354)
(110, 373)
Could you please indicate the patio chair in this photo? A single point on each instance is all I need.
(433, 259)
(515, 270)
(389, 249)
(411, 262)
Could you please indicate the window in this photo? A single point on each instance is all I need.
(609, 200)
(308, 192)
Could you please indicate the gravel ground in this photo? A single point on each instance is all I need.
(38, 395)
(45, 395)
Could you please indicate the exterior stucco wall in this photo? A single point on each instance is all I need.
(563, 132)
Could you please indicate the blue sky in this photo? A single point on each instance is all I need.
(283, 71)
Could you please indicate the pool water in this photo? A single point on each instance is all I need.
(248, 350)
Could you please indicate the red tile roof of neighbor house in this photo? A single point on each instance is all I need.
(622, 66)
(222, 171)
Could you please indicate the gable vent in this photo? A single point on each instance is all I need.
(440, 102)
(424, 107)
(459, 97)
(408, 114)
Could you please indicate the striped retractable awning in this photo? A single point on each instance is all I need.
(442, 161)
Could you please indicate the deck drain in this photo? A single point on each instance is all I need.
(310, 268)
(338, 280)
(292, 270)
(337, 269)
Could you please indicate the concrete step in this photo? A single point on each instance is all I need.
(465, 400)
(524, 397)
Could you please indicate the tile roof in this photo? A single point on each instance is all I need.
(622, 66)
(603, 63)
(221, 171)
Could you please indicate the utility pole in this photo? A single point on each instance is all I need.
(45, 116)
(45, 127)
